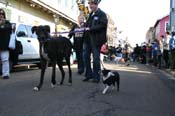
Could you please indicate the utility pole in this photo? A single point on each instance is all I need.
(172, 15)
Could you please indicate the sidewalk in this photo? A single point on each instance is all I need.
(168, 72)
(171, 72)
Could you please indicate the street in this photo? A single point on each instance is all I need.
(144, 91)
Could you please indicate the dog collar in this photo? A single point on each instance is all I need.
(108, 76)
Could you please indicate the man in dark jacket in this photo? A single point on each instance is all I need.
(5, 32)
(95, 37)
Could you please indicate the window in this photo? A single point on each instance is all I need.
(22, 31)
(29, 28)
(167, 26)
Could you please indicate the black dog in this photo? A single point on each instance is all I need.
(110, 78)
(52, 50)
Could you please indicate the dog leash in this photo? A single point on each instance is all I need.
(102, 65)
(65, 32)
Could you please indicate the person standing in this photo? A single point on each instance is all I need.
(77, 34)
(118, 54)
(5, 32)
(154, 52)
(172, 51)
(159, 53)
(95, 37)
(136, 53)
(148, 54)
(166, 49)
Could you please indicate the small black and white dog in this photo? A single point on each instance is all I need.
(110, 78)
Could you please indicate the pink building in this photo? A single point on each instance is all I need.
(161, 26)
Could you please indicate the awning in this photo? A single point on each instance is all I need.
(50, 10)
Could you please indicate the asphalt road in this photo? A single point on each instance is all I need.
(144, 91)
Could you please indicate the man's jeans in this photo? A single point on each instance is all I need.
(95, 50)
(4, 56)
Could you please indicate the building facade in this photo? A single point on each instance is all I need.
(162, 26)
(111, 32)
(59, 14)
(150, 35)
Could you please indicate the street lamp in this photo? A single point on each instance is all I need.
(56, 19)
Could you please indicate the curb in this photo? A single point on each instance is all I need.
(168, 77)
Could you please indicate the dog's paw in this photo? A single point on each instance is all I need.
(35, 89)
(104, 92)
(52, 85)
(69, 84)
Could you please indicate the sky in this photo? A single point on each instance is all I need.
(134, 17)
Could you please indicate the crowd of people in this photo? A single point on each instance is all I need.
(117, 54)
(161, 53)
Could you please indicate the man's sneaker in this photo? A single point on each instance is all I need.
(6, 77)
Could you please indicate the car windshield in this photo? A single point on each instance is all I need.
(30, 32)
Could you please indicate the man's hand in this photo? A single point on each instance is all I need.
(87, 29)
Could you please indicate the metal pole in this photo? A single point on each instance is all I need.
(172, 15)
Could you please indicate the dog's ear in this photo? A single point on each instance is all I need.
(47, 28)
(34, 28)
